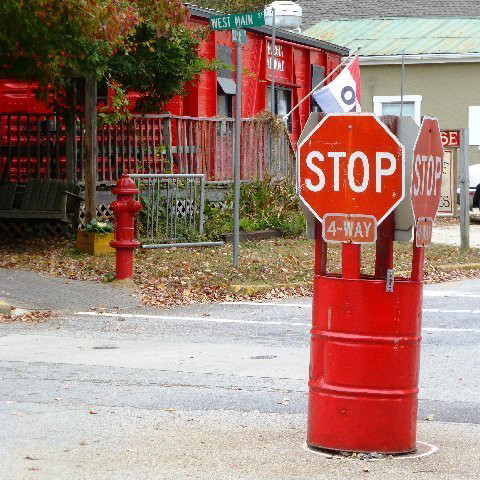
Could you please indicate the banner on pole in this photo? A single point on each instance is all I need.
(344, 93)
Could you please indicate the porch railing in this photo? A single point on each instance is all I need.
(36, 145)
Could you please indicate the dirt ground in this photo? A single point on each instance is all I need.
(447, 231)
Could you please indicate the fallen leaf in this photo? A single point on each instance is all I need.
(91, 412)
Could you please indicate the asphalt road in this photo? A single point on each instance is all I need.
(215, 391)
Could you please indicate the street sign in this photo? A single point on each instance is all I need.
(427, 174)
(424, 231)
(450, 138)
(239, 36)
(349, 228)
(351, 169)
(239, 20)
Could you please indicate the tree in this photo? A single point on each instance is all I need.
(129, 43)
(232, 6)
(51, 41)
(158, 67)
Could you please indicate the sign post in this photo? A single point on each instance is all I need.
(366, 328)
(237, 23)
(272, 87)
(236, 165)
(464, 191)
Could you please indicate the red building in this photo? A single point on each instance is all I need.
(300, 62)
(32, 143)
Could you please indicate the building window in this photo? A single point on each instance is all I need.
(283, 103)
(474, 125)
(224, 103)
(317, 74)
(391, 105)
(226, 87)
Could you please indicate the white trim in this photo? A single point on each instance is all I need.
(419, 59)
(378, 100)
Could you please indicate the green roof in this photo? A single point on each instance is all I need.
(390, 36)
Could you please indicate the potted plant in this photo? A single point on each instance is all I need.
(95, 238)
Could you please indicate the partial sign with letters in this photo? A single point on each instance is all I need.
(239, 20)
(450, 138)
(424, 232)
(451, 144)
(349, 228)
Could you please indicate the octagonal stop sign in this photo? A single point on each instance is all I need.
(426, 178)
(351, 172)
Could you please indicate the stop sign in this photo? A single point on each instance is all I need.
(427, 170)
(351, 164)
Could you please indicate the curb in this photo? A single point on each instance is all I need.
(459, 266)
(263, 287)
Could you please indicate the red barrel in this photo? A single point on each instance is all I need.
(364, 365)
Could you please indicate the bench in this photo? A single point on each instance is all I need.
(42, 199)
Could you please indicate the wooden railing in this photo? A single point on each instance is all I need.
(33, 145)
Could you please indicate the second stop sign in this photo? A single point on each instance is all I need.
(351, 165)
(427, 170)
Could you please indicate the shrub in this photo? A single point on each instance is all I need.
(264, 204)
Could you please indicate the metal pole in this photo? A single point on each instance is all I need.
(202, 204)
(401, 85)
(464, 191)
(272, 88)
(236, 161)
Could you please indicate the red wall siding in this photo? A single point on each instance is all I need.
(201, 100)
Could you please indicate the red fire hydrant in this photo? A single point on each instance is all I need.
(125, 208)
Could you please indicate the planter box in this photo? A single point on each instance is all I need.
(94, 243)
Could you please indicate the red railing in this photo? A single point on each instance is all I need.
(35, 145)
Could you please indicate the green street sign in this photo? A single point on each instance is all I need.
(239, 20)
(239, 36)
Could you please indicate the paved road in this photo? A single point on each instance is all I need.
(213, 392)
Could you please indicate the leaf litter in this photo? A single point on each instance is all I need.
(268, 269)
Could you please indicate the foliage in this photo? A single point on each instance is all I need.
(275, 122)
(264, 204)
(233, 6)
(119, 109)
(159, 66)
(99, 227)
(51, 41)
(173, 276)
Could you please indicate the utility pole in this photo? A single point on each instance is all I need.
(464, 191)
(236, 165)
